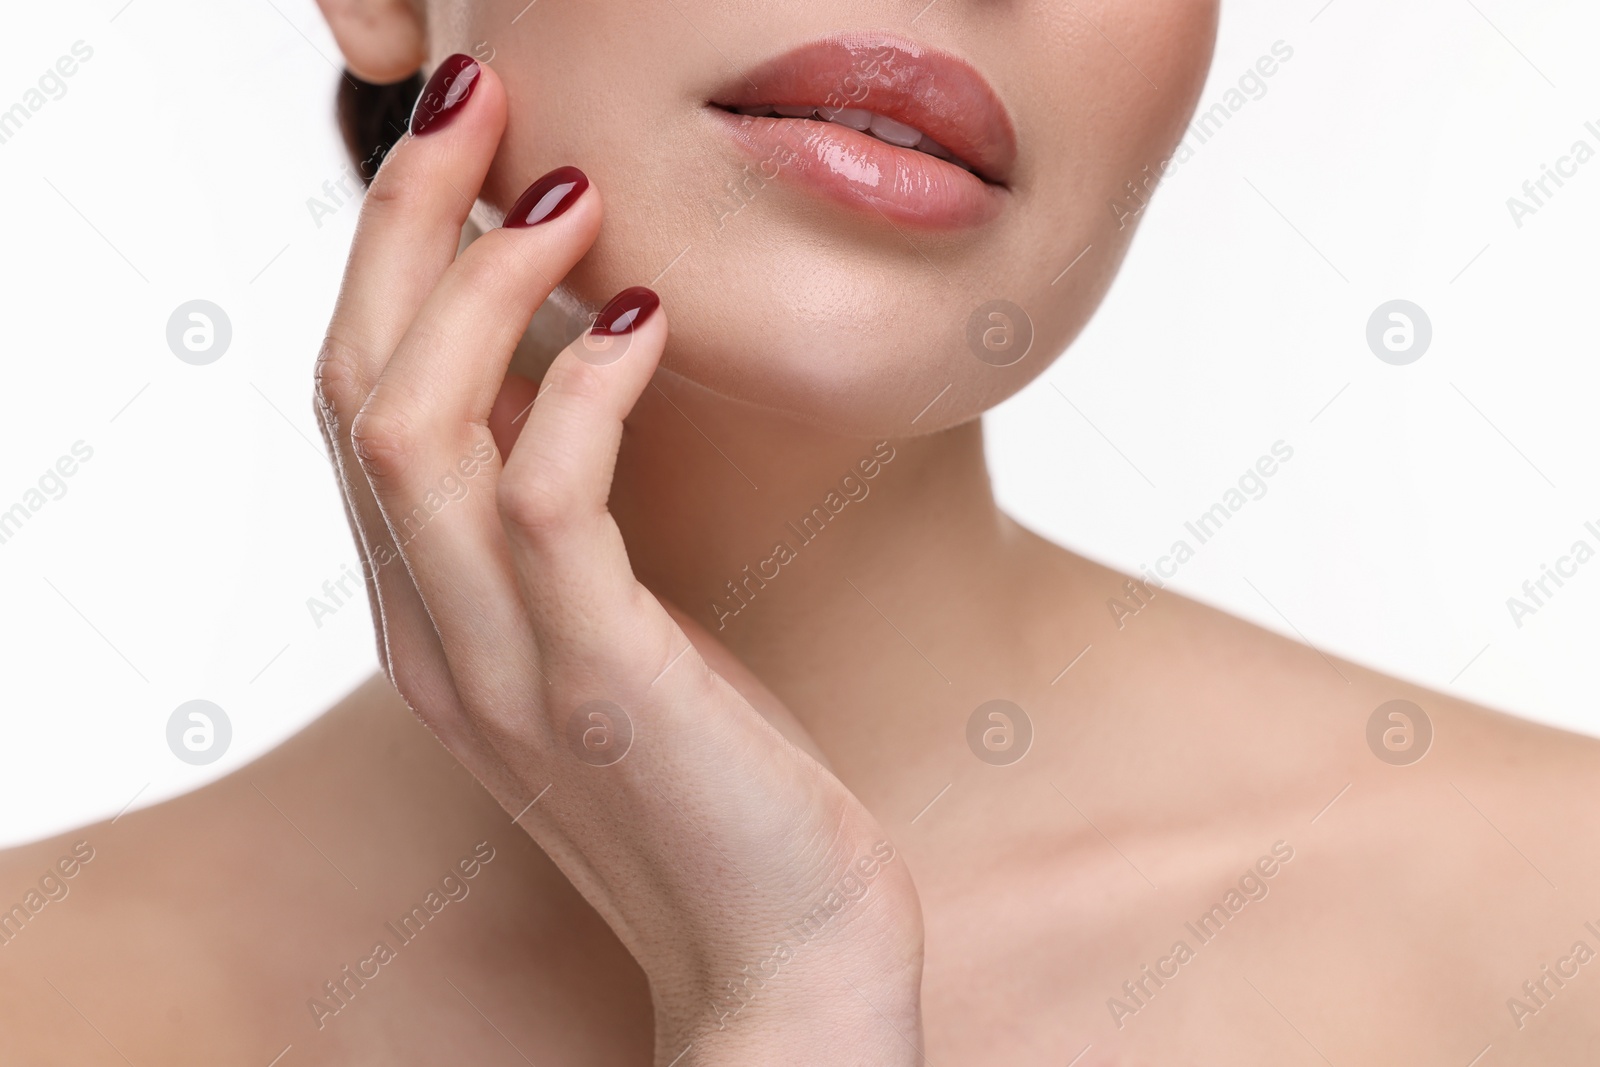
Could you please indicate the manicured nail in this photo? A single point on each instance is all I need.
(548, 198)
(447, 90)
(627, 311)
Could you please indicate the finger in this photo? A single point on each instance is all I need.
(571, 563)
(429, 412)
(410, 224)
(407, 236)
(451, 363)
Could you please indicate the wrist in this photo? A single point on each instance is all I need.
(799, 1003)
(840, 984)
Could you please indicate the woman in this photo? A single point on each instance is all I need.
(764, 737)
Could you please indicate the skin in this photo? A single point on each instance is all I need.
(1164, 765)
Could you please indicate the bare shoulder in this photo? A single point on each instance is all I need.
(1449, 855)
(1278, 718)
(43, 889)
(320, 898)
(1404, 875)
(37, 876)
(1540, 781)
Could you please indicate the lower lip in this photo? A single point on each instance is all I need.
(864, 173)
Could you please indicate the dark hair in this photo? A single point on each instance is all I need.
(373, 118)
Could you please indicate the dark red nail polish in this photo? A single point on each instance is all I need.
(447, 90)
(627, 311)
(548, 198)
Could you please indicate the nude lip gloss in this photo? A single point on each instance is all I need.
(776, 115)
(447, 90)
(548, 198)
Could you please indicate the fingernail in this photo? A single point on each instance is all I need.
(447, 90)
(627, 311)
(548, 198)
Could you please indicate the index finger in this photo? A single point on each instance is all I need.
(410, 225)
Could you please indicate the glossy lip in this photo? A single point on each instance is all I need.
(936, 93)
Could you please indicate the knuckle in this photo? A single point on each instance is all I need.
(408, 680)
(581, 384)
(419, 676)
(336, 380)
(396, 187)
(383, 441)
(537, 507)
(506, 726)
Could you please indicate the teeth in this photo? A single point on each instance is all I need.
(852, 117)
(884, 129)
(895, 133)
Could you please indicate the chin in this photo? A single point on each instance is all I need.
(865, 350)
(866, 230)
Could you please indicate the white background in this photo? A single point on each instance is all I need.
(1377, 166)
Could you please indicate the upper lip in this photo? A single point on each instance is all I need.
(892, 76)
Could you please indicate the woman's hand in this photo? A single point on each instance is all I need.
(771, 915)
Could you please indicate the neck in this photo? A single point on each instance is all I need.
(708, 487)
(786, 541)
